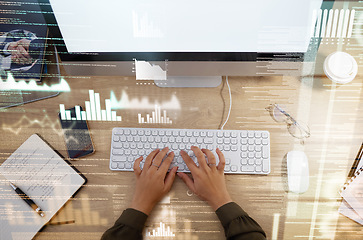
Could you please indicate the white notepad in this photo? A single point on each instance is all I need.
(352, 192)
(45, 177)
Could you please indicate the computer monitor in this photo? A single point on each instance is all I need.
(197, 38)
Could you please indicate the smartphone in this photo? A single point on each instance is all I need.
(77, 137)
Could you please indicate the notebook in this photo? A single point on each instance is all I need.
(352, 192)
(45, 177)
(345, 208)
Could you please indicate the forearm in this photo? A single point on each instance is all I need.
(129, 226)
(237, 224)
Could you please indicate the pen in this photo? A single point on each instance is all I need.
(27, 200)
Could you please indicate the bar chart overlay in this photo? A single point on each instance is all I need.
(93, 110)
(161, 231)
(155, 117)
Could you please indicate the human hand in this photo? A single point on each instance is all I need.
(152, 182)
(208, 179)
(20, 51)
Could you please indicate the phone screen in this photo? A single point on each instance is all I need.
(77, 137)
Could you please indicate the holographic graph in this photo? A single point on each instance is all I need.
(26, 123)
(156, 117)
(144, 103)
(162, 231)
(147, 71)
(32, 85)
(333, 23)
(93, 110)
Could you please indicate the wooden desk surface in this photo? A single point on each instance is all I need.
(333, 113)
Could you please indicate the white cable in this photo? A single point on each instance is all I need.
(230, 103)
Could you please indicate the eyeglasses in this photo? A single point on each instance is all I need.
(296, 129)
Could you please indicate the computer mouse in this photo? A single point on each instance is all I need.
(297, 172)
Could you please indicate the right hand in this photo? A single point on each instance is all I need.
(19, 51)
(208, 179)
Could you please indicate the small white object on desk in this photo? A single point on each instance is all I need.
(297, 171)
(340, 67)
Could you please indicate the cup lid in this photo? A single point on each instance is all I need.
(340, 67)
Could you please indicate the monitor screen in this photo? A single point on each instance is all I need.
(188, 26)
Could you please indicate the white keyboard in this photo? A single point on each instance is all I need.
(246, 152)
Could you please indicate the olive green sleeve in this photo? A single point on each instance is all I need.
(237, 224)
(129, 226)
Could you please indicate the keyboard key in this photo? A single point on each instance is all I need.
(117, 145)
(265, 165)
(119, 131)
(117, 151)
(210, 134)
(114, 165)
(227, 168)
(251, 134)
(264, 135)
(119, 159)
(128, 165)
(258, 169)
(243, 134)
(244, 161)
(234, 168)
(265, 152)
(120, 165)
(247, 168)
(133, 132)
(244, 154)
(116, 138)
(234, 134)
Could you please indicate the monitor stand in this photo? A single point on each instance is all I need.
(190, 81)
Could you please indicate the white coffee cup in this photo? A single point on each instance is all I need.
(340, 67)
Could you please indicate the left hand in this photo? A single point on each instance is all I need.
(152, 182)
